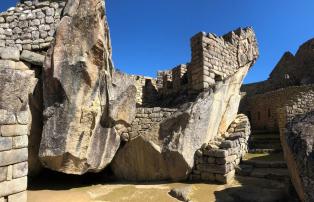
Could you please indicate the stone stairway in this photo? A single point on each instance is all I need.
(265, 158)
(264, 142)
(268, 167)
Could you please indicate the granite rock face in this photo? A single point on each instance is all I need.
(80, 116)
(299, 154)
(166, 149)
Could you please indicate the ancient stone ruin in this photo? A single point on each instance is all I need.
(64, 107)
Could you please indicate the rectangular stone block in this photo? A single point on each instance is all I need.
(226, 178)
(20, 142)
(5, 143)
(9, 173)
(7, 64)
(213, 168)
(20, 170)
(221, 153)
(19, 197)
(23, 117)
(2, 199)
(3, 173)
(208, 176)
(12, 187)
(6, 117)
(14, 130)
(10, 53)
(225, 160)
(13, 156)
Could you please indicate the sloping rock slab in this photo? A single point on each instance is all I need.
(299, 154)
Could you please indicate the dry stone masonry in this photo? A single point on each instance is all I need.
(296, 135)
(17, 82)
(30, 25)
(288, 77)
(298, 147)
(199, 110)
(218, 160)
(87, 116)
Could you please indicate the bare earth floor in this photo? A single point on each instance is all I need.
(242, 189)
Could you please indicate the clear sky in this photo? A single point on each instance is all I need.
(151, 35)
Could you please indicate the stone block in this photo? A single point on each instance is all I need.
(33, 58)
(10, 53)
(9, 173)
(211, 160)
(21, 66)
(3, 173)
(19, 197)
(13, 156)
(14, 186)
(14, 130)
(213, 168)
(208, 176)
(20, 142)
(221, 153)
(7, 64)
(20, 170)
(6, 117)
(5, 143)
(225, 160)
(226, 144)
(227, 178)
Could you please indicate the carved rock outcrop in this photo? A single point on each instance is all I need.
(81, 105)
(162, 144)
(298, 145)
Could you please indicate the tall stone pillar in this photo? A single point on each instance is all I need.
(16, 84)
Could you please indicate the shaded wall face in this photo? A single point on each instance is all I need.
(262, 109)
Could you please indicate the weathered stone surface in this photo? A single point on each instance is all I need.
(20, 142)
(10, 53)
(33, 58)
(182, 194)
(298, 146)
(15, 87)
(3, 173)
(81, 105)
(5, 143)
(19, 197)
(14, 130)
(13, 156)
(14, 186)
(167, 150)
(19, 170)
(7, 117)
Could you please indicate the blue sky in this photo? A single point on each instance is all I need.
(151, 35)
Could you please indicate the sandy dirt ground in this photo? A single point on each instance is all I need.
(72, 189)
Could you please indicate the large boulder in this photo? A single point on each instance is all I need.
(81, 105)
(167, 151)
(162, 142)
(298, 145)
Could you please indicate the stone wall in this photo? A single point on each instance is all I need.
(147, 93)
(297, 147)
(30, 25)
(216, 58)
(217, 160)
(146, 120)
(213, 59)
(262, 108)
(291, 70)
(17, 82)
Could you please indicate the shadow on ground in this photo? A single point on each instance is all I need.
(257, 190)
